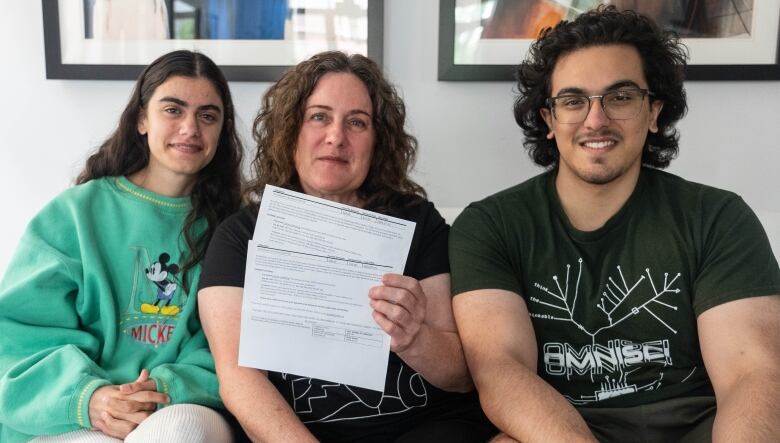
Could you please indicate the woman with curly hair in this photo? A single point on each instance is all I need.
(333, 127)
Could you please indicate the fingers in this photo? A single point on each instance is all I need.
(401, 339)
(142, 383)
(118, 406)
(137, 386)
(117, 413)
(399, 309)
(397, 313)
(144, 375)
(133, 417)
(114, 427)
(400, 298)
(403, 282)
(133, 407)
(149, 397)
(393, 329)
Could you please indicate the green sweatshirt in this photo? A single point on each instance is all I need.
(92, 296)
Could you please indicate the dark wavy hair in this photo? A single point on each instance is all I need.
(217, 190)
(387, 187)
(663, 62)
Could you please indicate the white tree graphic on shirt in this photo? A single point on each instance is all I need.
(617, 293)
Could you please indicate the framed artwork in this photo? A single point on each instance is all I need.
(727, 39)
(251, 40)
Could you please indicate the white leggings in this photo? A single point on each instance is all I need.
(183, 423)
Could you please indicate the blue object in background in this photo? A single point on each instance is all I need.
(245, 19)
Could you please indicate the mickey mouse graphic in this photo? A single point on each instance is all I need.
(161, 274)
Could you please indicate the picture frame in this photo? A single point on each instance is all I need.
(734, 58)
(71, 55)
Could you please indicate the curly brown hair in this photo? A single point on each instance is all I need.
(387, 187)
(663, 62)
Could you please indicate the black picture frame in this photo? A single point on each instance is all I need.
(448, 70)
(56, 69)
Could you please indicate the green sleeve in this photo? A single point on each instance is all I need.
(480, 256)
(47, 363)
(736, 258)
(192, 378)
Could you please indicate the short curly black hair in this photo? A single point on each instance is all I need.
(663, 59)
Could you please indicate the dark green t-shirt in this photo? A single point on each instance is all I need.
(614, 310)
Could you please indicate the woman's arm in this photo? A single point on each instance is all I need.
(47, 362)
(247, 393)
(50, 379)
(418, 317)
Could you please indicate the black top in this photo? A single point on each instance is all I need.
(337, 412)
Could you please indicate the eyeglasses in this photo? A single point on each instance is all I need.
(622, 104)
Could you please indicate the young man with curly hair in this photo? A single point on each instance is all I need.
(625, 303)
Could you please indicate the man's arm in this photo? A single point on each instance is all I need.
(740, 344)
(247, 393)
(500, 348)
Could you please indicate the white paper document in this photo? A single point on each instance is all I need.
(308, 271)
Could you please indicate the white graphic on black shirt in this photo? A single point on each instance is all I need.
(607, 365)
(321, 401)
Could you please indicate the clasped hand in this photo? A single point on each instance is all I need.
(399, 309)
(116, 410)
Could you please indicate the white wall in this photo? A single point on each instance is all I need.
(470, 145)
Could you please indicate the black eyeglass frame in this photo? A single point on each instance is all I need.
(550, 102)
